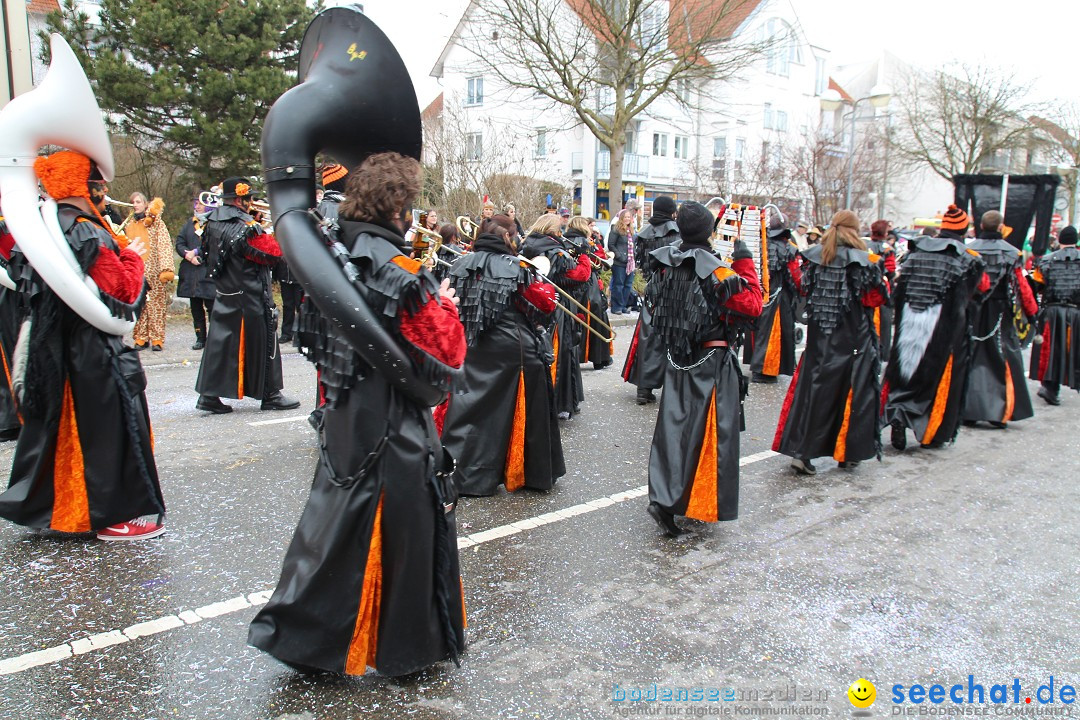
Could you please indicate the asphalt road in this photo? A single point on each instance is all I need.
(927, 567)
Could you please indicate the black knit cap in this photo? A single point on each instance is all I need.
(663, 206)
(695, 223)
(1067, 236)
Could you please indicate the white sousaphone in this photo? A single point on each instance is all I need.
(60, 111)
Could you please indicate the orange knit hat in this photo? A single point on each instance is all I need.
(955, 219)
(64, 174)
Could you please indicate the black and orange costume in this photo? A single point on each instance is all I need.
(772, 347)
(592, 348)
(241, 357)
(340, 605)
(927, 375)
(12, 312)
(504, 429)
(1055, 361)
(832, 404)
(570, 273)
(645, 363)
(699, 306)
(883, 316)
(996, 390)
(85, 458)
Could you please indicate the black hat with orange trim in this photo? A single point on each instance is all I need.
(235, 187)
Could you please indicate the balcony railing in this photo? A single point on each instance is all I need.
(635, 167)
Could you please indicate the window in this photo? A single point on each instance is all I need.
(659, 144)
(768, 116)
(474, 146)
(765, 156)
(784, 49)
(682, 147)
(541, 143)
(631, 142)
(651, 26)
(740, 149)
(781, 121)
(474, 94)
(820, 78)
(719, 154)
(682, 89)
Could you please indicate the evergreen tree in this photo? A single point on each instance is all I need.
(189, 80)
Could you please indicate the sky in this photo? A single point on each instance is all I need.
(1035, 39)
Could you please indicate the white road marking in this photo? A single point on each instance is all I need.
(98, 641)
(278, 421)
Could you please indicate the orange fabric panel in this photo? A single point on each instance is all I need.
(71, 508)
(464, 617)
(514, 470)
(877, 321)
(840, 451)
(874, 257)
(555, 347)
(366, 632)
(723, 273)
(1037, 276)
(1010, 394)
(588, 335)
(937, 413)
(240, 363)
(771, 366)
(703, 501)
(407, 263)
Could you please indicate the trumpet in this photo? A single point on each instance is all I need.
(467, 228)
(120, 203)
(211, 198)
(541, 266)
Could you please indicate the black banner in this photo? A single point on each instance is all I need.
(1029, 198)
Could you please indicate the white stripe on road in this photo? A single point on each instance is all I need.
(278, 421)
(98, 641)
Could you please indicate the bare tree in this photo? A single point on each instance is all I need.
(1063, 146)
(958, 122)
(604, 62)
(819, 166)
(469, 159)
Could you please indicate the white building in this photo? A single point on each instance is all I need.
(742, 129)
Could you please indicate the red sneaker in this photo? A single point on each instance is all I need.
(137, 529)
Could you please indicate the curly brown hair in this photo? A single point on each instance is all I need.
(381, 187)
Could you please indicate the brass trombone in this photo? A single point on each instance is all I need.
(427, 243)
(467, 228)
(541, 267)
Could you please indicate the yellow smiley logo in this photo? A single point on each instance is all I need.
(862, 693)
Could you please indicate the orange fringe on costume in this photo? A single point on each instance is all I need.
(515, 455)
(840, 451)
(771, 366)
(555, 362)
(941, 399)
(703, 501)
(366, 632)
(1010, 395)
(240, 364)
(71, 508)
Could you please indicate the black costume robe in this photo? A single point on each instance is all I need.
(883, 316)
(931, 353)
(12, 313)
(1057, 278)
(371, 576)
(773, 345)
(645, 363)
(85, 458)
(565, 332)
(503, 430)
(996, 389)
(696, 297)
(194, 280)
(241, 358)
(591, 348)
(831, 407)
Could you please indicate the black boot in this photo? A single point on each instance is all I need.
(277, 401)
(899, 435)
(645, 396)
(200, 341)
(760, 378)
(209, 403)
(665, 520)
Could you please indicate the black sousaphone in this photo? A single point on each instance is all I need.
(354, 99)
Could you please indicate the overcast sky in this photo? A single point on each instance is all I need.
(1036, 39)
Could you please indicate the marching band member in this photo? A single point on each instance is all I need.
(594, 349)
(996, 390)
(699, 307)
(150, 328)
(371, 577)
(12, 312)
(645, 362)
(773, 345)
(1057, 276)
(504, 430)
(927, 372)
(334, 178)
(569, 272)
(831, 406)
(241, 357)
(880, 244)
(85, 460)
(195, 283)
